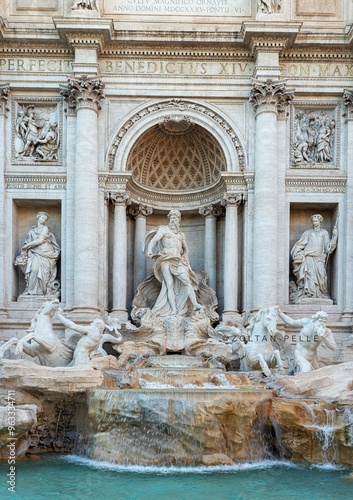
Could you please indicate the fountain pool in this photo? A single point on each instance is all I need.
(72, 477)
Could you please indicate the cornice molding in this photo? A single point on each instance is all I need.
(316, 185)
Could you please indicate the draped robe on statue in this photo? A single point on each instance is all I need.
(309, 262)
(178, 266)
(41, 261)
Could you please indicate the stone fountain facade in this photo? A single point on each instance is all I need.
(238, 115)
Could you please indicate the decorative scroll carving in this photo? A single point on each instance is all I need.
(314, 138)
(269, 6)
(36, 132)
(83, 92)
(176, 125)
(270, 96)
(182, 106)
(4, 95)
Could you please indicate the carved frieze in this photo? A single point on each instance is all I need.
(315, 135)
(36, 131)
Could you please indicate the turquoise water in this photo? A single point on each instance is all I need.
(77, 478)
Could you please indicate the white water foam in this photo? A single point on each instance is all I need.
(149, 469)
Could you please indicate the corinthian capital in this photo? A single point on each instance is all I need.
(211, 211)
(83, 92)
(348, 101)
(270, 96)
(140, 210)
(119, 198)
(233, 199)
(4, 95)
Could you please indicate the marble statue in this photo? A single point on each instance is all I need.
(84, 4)
(313, 333)
(38, 259)
(167, 246)
(41, 341)
(310, 254)
(255, 347)
(92, 338)
(269, 6)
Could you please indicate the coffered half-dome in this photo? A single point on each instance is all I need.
(176, 155)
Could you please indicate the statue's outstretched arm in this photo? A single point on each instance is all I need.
(70, 324)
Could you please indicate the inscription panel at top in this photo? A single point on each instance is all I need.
(234, 8)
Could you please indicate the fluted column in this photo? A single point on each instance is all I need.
(86, 93)
(210, 213)
(348, 272)
(231, 256)
(140, 214)
(4, 94)
(266, 97)
(120, 200)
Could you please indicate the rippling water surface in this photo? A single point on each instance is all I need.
(73, 477)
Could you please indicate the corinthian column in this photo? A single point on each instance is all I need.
(210, 213)
(120, 200)
(86, 93)
(266, 97)
(231, 256)
(140, 214)
(348, 271)
(4, 93)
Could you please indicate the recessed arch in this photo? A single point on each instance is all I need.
(205, 115)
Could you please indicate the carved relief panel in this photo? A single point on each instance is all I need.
(315, 133)
(36, 131)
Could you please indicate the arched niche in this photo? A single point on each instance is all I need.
(206, 116)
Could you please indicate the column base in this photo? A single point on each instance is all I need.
(84, 314)
(232, 316)
(120, 314)
(347, 316)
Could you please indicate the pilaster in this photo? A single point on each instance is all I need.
(348, 285)
(4, 95)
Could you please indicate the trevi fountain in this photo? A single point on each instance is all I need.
(176, 250)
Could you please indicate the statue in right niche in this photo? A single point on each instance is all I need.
(310, 256)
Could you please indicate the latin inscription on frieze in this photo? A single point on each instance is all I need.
(234, 8)
(180, 67)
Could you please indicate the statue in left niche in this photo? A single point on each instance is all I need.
(37, 136)
(84, 5)
(38, 260)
